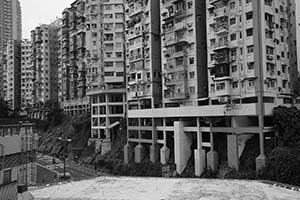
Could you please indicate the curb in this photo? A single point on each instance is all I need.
(282, 185)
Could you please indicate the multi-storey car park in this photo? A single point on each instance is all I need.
(225, 64)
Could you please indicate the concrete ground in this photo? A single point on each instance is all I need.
(164, 189)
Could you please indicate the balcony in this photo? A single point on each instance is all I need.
(221, 71)
(221, 45)
(221, 29)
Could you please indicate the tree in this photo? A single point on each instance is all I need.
(4, 108)
(55, 115)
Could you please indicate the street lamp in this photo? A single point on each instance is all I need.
(65, 142)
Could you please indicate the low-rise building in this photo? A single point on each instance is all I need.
(18, 146)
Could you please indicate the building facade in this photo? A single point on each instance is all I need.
(10, 29)
(26, 75)
(73, 63)
(18, 145)
(12, 74)
(44, 64)
(225, 64)
(106, 71)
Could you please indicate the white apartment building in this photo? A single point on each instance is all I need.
(12, 74)
(44, 63)
(106, 70)
(26, 74)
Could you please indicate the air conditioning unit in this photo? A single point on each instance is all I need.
(233, 59)
(189, 24)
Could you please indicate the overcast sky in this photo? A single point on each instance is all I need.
(35, 12)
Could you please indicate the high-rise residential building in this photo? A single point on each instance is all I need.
(44, 63)
(12, 74)
(143, 64)
(93, 65)
(106, 70)
(225, 64)
(10, 29)
(26, 75)
(73, 63)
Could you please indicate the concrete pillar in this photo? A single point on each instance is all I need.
(233, 151)
(164, 154)
(154, 153)
(199, 153)
(182, 146)
(154, 148)
(212, 156)
(139, 153)
(260, 161)
(200, 161)
(127, 153)
(212, 160)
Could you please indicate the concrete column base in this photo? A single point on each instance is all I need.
(164, 155)
(200, 161)
(232, 151)
(260, 162)
(139, 153)
(154, 153)
(127, 153)
(212, 160)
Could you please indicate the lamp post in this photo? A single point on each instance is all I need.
(65, 142)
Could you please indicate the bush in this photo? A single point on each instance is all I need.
(209, 173)
(283, 166)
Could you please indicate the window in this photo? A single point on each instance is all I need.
(192, 74)
(233, 52)
(192, 61)
(232, 21)
(221, 86)
(232, 5)
(269, 50)
(250, 49)
(271, 67)
(192, 89)
(235, 85)
(250, 65)
(234, 68)
(249, 15)
(233, 37)
(268, 2)
(108, 73)
(249, 32)
(119, 74)
(251, 83)
(7, 176)
(119, 54)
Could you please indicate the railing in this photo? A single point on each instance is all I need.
(9, 191)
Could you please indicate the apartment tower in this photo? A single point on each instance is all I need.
(26, 75)
(10, 29)
(12, 74)
(73, 63)
(106, 71)
(225, 64)
(44, 64)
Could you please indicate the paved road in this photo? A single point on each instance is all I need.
(46, 170)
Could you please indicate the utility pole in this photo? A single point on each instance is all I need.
(65, 142)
